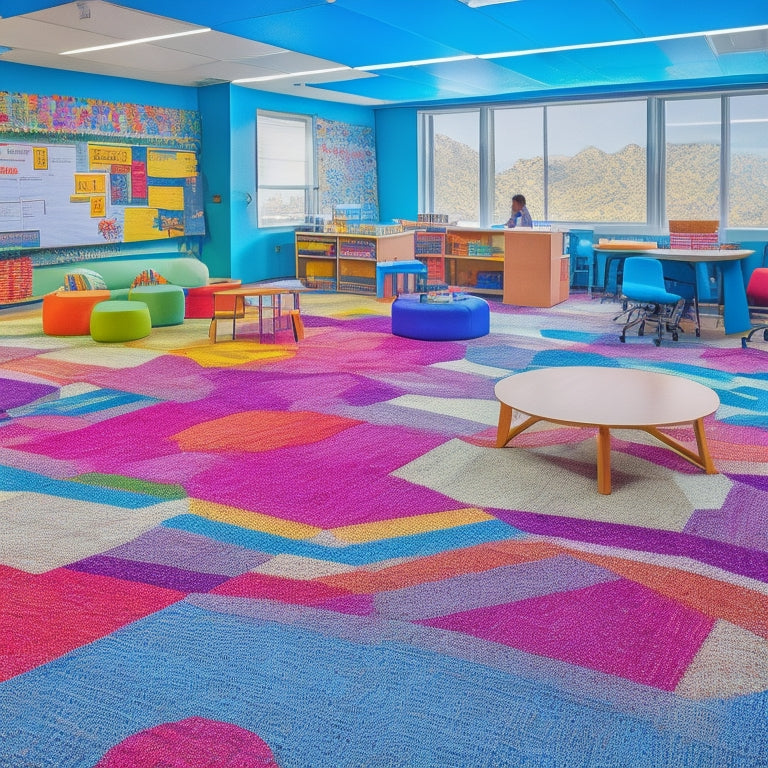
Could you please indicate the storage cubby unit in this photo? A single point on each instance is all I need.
(347, 262)
(316, 260)
(474, 259)
(429, 249)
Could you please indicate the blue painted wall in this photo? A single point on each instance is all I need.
(397, 161)
(215, 170)
(260, 254)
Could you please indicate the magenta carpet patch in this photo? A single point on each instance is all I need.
(618, 627)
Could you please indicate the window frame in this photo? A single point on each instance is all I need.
(310, 189)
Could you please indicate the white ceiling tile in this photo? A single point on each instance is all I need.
(73, 64)
(146, 57)
(286, 87)
(111, 20)
(21, 32)
(289, 61)
(217, 45)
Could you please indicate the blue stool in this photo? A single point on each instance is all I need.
(464, 318)
(395, 268)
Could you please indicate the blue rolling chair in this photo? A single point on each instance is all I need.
(648, 300)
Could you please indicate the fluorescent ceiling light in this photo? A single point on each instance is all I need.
(284, 75)
(612, 43)
(417, 63)
(482, 3)
(135, 42)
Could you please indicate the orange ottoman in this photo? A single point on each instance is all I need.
(68, 313)
(199, 301)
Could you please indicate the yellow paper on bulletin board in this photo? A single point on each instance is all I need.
(98, 206)
(166, 164)
(141, 224)
(105, 155)
(168, 198)
(90, 183)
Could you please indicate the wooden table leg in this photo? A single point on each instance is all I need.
(701, 441)
(505, 424)
(603, 460)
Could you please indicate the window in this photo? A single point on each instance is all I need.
(596, 162)
(518, 153)
(629, 164)
(456, 165)
(748, 179)
(285, 169)
(692, 158)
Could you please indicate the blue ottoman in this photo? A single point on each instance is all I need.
(464, 318)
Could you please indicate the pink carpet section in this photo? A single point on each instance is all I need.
(45, 616)
(192, 743)
(617, 627)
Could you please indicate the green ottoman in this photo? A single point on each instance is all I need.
(165, 302)
(120, 321)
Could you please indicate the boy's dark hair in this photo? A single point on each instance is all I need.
(519, 199)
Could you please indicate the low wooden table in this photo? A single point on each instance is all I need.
(608, 398)
(274, 311)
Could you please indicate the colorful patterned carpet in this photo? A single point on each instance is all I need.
(313, 556)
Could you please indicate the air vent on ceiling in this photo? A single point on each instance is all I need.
(210, 81)
(739, 42)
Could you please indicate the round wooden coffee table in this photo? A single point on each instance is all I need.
(608, 398)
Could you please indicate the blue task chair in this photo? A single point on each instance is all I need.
(648, 300)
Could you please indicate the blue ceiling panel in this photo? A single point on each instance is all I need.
(554, 70)
(701, 16)
(628, 63)
(331, 32)
(688, 51)
(392, 89)
(453, 23)
(753, 63)
(480, 75)
(563, 22)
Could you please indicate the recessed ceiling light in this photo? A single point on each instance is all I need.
(135, 42)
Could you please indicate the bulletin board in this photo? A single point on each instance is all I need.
(78, 172)
(346, 167)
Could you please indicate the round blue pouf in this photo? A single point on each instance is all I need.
(464, 318)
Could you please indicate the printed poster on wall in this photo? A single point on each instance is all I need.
(85, 193)
(346, 167)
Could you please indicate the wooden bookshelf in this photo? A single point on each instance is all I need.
(347, 262)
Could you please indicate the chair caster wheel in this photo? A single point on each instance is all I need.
(623, 339)
(674, 337)
(743, 342)
(657, 342)
(698, 332)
